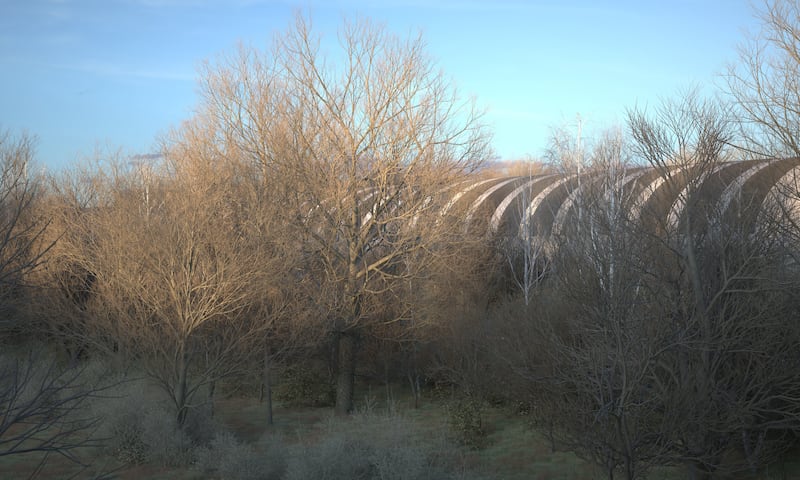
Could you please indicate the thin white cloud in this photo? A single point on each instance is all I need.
(465, 5)
(56, 11)
(117, 70)
(201, 3)
(445, 5)
(586, 8)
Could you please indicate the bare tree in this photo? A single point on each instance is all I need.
(22, 229)
(281, 324)
(43, 409)
(666, 302)
(583, 358)
(42, 403)
(764, 81)
(720, 282)
(360, 146)
(567, 148)
(524, 250)
(179, 272)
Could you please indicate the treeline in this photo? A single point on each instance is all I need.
(305, 217)
(297, 219)
(661, 325)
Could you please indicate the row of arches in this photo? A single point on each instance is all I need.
(660, 197)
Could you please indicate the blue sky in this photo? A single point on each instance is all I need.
(87, 76)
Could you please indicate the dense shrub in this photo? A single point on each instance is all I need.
(166, 444)
(122, 412)
(376, 447)
(200, 426)
(464, 415)
(139, 426)
(304, 385)
(228, 458)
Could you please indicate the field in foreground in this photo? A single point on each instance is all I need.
(377, 441)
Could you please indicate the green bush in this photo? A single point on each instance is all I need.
(466, 423)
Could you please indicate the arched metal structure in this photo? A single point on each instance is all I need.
(546, 203)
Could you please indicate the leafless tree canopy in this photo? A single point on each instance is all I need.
(42, 403)
(362, 144)
(668, 297)
(763, 83)
(21, 228)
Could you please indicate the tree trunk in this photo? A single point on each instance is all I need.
(628, 454)
(181, 387)
(346, 373)
(413, 380)
(212, 387)
(267, 381)
(413, 377)
(386, 379)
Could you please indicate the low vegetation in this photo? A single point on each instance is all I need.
(136, 435)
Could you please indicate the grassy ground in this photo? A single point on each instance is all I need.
(510, 449)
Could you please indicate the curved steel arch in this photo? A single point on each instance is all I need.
(542, 206)
(546, 202)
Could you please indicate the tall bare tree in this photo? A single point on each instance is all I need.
(44, 409)
(764, 84)
(179, 271)
(667, 302)
(360, 143)
(524, 250)
(22, 228)
(281, 285)
(722, 282)
(42, 402)
(581, 356)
